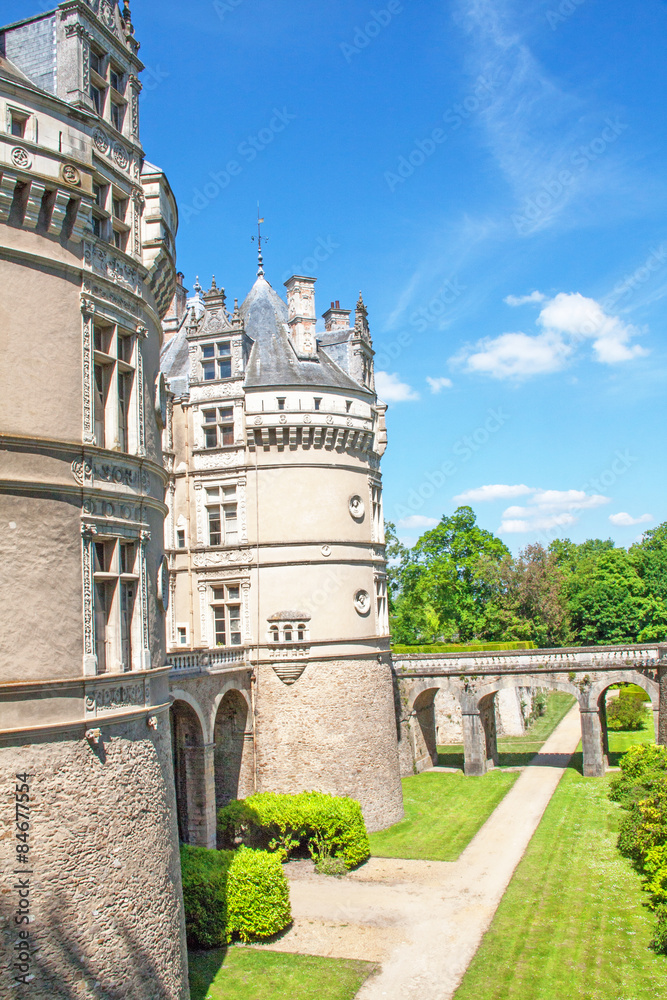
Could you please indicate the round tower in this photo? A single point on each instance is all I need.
(91, 896)
(278, 559)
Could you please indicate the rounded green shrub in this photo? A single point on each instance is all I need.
(326, 825)
(641, 766)
(655, 870)
(258, 903)
(628, 712)
(659, 942)
(204, 874)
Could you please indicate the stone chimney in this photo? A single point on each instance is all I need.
(301, 315)
(336, 318)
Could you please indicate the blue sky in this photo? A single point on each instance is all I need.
(491, 174)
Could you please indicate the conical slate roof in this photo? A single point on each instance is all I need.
(273, 360)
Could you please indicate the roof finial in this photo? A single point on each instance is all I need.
(259, 238)
(127, 15)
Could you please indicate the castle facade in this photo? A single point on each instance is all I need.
(91, 898)
(194, 584)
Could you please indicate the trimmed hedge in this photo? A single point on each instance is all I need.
(641, 788)
(467, 647)
(258, 903)
(328, 825)
(227, 893)
(204, 875)
(640, 767)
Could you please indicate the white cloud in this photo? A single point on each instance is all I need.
(510, 526)
(496, 492)
(579, 317)
(555, 500)
(625, 520)
(522, 300)
(566, 321)
(548, 509)
(417, 521)
(390, 389)
(515, 355)
(436, 384)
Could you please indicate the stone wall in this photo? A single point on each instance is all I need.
(333, 730)
(104, 880)
(513, 707)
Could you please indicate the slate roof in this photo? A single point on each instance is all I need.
(273, 360)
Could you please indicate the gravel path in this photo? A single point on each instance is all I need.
(424, 920)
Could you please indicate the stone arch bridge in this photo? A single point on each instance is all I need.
(475, 679)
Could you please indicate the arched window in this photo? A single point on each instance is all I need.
(275, 633)
(301, 632)
(287, 633)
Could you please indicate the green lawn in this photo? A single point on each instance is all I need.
(620, 741)
(572, 923)
(240, 973)
(443, 812)
(517, 751)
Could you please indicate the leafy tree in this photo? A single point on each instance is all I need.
(607, 601)
(444, 582)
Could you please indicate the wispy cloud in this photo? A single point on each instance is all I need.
(417, 521)
(390, 388)
(548, 509)
(625, 520)
(498, 491)
(437, 384)
(522, 300)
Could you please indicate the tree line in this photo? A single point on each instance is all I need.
(460, 583)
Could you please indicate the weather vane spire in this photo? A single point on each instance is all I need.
(260, 239)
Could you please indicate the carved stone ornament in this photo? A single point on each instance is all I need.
(120, 155)
(326, 551)
(163, 583)
(100, 140)
(289, 673)
(106, 14)
(362, 602)
(357, 507)
(70, 174)
(21, 158)
(82, 470)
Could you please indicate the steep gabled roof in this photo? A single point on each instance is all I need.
(273, 360)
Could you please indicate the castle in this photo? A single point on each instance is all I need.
(161, 657)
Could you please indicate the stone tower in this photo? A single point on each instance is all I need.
(278, 629)
(87, 271)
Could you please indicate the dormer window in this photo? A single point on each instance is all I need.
(220, 365)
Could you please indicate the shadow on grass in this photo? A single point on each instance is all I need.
(506, 758)
(204, 967)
